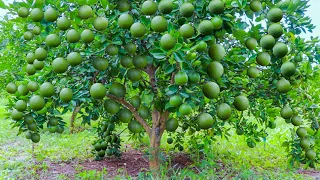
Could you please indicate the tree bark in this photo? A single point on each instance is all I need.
(73, 118)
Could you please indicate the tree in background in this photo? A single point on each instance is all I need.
(191, 68)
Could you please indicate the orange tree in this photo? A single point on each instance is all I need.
(169, 65)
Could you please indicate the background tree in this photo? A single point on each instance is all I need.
(159, 65)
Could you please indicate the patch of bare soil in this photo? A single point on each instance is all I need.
(131, 163)
(313, 173)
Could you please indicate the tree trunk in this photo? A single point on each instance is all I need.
(73, 118)
(154, 159)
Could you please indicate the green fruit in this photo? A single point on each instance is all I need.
(36, 102)
(38, 65)
(267, 42)
(217, 52)
(296, 120)
(36, 15)
(124, 115)
(87, 36)
(205, 27)
(175, 100)
(30, 69)
(134, 126)
(74, 58)
(20, 105)
(125, 21)
(32, 126)
(60, 129)
(100, 63)
(169, 140)
(111, 106)
(40, 54)
(53, 122)
(216, 7)
(215, 70)
(186, 31)
(193, 77)
(123, 5)
(136, 101)
(53, 129)
(97, 146)
(167, 42)
(27, 35)
(224, 111)
(241, 103)
(165, 6)
(112, 50)
(185, 109)
(280, 50)
(311, 155)
(263, 59)
(23, 90)
(298, 57)
(172, 124)
(104, 145)
(66, 95)
(251, 43)
(28, 119)
(118, 90)
(180, 148)
(301, 132)
(47, 89)
(73, 36)
(11, 88)
(134, 74)
(201, 46)
(138, 30)
(16, 115)
(109, 152)
(30, 57)
(100, 23)
(85, 12)
(288, 69)
(181, 78)
(144, 111)
(253, 72)
(286, 112)
(35, 137)
(186, 10)
(239, 131)
(43, 111)
(211, 90)
(149, 7)
(255, 6)
(159, 24)
(140, 61)
(131, 48)
(63, 23)
(36, 30)
(217, 22)
(275, 15)
(305, 143)
(23, 12)
(283, 86)
(126, 61)
(28, 135)
(220, 33)
(59, 65)
(251, 144)
(98, 91)
(275, 30)
(272, 125)
(205, 121)
(51, 14)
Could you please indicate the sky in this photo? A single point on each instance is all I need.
(312, 12)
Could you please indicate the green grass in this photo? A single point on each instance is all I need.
(222, 159)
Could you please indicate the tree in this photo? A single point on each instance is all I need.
(159, 65)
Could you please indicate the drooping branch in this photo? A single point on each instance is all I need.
(73, 118)
(133, 111)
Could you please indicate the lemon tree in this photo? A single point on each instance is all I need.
(189, 68)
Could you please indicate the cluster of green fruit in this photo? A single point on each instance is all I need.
(108, 142)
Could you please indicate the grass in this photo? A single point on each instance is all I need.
(223, 159)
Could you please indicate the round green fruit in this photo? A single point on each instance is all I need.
(217, 52)
(124, 115)
(85, 12)
(36, 30)
(111, 106)
(185, 109)
(23, 90)
(20, 105)
(112, 50)
(165, 6)
(288, 69)
(275, 30)
(27, 35)
(255, 5)
(251, 43)
(16, 115)
(28, 119)
(38, 65)
(134, 126)
(135, 101)
(172, 124)
(241, 103)
(66, 95)
(11, 88)
(35, 137)
(144, 111)
(186, 10)
(36, 15)
(23, 12)
(126, 61)
(275, 15)
(138, 30)
(311, 154)
(267, 42)
(217, 22)
(30, 58)
(216, 7)
(167, 42)
(100, 23)
(98, 91)
(283, 86)
(205, 27)
(125, 21)
(215, 70)
(74, 58)
(253, 72)
(63, 23)
(36, 102)
(186, 31)
(205, 121)
(118, 90)
(30, 69)
(286, 112)
(159, 24)
(51, 14)
(73, 36)
(149, 7)
(224, 111)
(140, 61)
(193, 77)
(211, 90)
(296, 120)
(181, 78)
(87, 36)
(100, 63)
(263, 59)
(134, 74)
(59, 65)
(280, 50)
(40, 54)
(301, 132)
(175, 100)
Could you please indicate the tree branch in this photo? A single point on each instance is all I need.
(134, 112)
(150, 70)
(163, 119)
